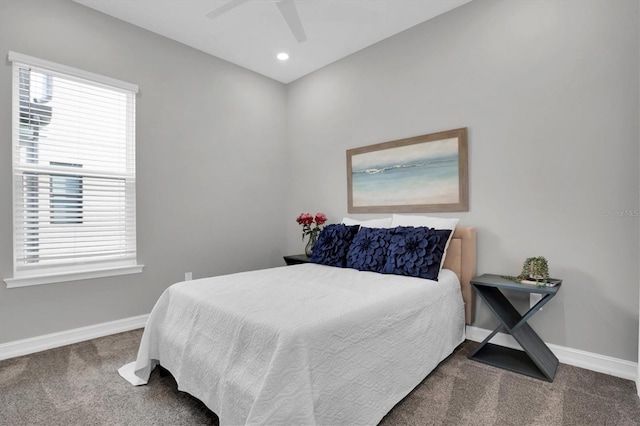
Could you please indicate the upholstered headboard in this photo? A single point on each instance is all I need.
(461, 259)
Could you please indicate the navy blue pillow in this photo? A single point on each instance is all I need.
(416, 252)
(333, 244)
(368, 251)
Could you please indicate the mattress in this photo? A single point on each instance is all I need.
(306, 344)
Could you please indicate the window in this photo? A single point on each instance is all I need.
(73, 174)
(66, 197)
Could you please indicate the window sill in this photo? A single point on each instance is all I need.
(72, 276)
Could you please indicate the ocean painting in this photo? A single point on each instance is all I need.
(415, 176)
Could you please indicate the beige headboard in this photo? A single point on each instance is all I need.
(461, 259)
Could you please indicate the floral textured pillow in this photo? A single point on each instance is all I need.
(333, 244)
(368, 251)
(416, 252)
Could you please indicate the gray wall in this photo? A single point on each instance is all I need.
(210, 162)
(549, 93)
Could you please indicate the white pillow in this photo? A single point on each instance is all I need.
(371, 223)
(431, 222)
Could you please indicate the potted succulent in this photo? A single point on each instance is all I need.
(534, 269)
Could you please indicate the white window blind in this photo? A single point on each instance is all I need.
(73, 170)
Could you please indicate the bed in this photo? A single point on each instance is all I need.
(308, 344)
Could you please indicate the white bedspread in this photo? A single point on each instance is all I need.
(301, 345)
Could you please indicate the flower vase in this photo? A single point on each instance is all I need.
(308, 249)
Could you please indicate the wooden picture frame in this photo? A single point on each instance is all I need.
(422, 174)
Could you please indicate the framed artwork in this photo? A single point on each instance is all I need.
(427, 173)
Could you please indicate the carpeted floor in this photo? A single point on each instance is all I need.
(79, 385)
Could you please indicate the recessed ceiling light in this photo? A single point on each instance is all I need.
(283, 56)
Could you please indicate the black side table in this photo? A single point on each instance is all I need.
(536, 360)
(296, 259)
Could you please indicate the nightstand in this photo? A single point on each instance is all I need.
(536, 360)
(296, 259)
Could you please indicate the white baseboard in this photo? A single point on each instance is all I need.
(55, 340)
(576, 357)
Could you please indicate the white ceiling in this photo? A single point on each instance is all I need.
(250, 33)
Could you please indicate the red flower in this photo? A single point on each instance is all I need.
(305, 219)
(320, 218)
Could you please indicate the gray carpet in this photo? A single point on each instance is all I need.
(79, 385)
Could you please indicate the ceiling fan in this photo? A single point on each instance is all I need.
(287, 9)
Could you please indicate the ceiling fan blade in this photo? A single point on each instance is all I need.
(225, 8)
(290, 14)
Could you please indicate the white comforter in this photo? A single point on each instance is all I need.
(301, 345)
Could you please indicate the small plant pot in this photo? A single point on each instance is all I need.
(537, 268)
